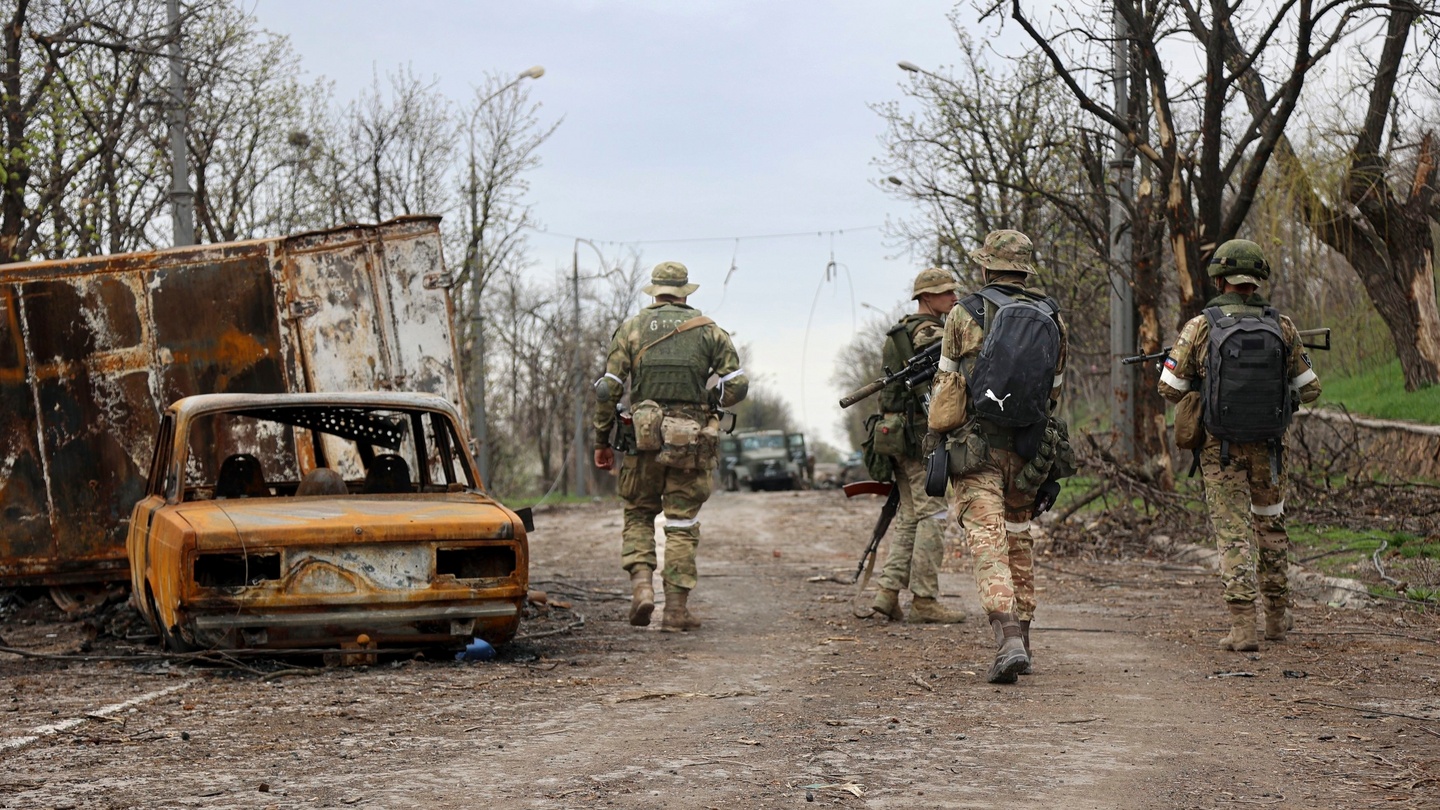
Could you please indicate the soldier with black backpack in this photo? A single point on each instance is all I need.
(1002, 362)
(1240, 372)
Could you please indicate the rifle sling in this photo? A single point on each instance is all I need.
(694, 323)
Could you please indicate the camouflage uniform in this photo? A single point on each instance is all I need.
(1242, 501)
(994, 511)
(646, 486)
(918, 544)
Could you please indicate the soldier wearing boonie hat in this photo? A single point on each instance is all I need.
(918, 545)
(990, 500)
(667, 353)
(1244, 481)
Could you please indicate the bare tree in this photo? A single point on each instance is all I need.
(502, 135)
(1209, 149)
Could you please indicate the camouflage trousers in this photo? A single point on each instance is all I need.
(647, 488)
(918, 544)
(1247, 518)
(996, 517)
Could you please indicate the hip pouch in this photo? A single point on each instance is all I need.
(968, 450)
(648, 417)
(687, 444)
(1189, 426)
(889, 436)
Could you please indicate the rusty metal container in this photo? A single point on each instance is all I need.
(92, 351)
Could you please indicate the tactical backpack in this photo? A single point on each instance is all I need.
(1011, 379)
(1246, 393)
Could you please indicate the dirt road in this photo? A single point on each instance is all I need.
(780, 699)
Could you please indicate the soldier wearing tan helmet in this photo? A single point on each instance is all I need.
(667, 354)
(990, 460)
(919, 541)
(1244, 475)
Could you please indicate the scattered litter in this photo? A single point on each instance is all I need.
(477, 650)
(1231, 675)
(744, 741)
(848, 787)
(1296, 673)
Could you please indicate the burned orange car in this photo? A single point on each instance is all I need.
(310, 520)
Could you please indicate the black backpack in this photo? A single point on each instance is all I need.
(1012, 377)
(1246, 394)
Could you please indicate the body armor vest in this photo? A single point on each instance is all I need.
(674, 369)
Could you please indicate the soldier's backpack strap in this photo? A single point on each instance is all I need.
(975, 306)
(694, 323)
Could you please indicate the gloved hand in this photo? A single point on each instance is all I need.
(931, 441)
(1045, 498)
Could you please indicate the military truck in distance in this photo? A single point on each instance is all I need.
(763, 459)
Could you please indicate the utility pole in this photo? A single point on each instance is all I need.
(182, 199)
(1123, 378)
(581, 446)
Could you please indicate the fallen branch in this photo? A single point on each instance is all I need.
(578, 623)
(1362, 710)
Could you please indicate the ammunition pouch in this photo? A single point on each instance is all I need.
(688, 443)
(1189, 421)
(881, 466)
(968, 449)
(648, 417)
(890, 435)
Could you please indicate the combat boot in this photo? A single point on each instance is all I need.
(925, 610)
(1029, 656)
(1010, 659)
(1242, 629)
(642, 601)
(887, 604)
(677, 617)
(1278, 618)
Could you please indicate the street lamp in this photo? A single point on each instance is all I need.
(472, 256)
(579, 438)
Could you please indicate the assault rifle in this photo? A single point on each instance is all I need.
(1323, 331)
(917, 371)
(882, 525)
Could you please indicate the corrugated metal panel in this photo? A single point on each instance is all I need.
(92, 350)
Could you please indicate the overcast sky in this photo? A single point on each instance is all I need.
(697, 120)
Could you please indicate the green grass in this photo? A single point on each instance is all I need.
(1380, 392)
(1347, 553)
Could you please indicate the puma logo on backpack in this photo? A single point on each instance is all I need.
(1246, 393)
(1017, 359)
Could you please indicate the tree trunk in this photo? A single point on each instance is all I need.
(1401, 284)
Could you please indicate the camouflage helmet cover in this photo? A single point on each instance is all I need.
(1239, 261)
(1006, 250)
(670, 278)
(934, 280)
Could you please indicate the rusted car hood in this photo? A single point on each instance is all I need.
(306, 521)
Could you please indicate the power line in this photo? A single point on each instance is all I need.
(818, 233)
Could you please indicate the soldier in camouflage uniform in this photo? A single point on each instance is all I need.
(919, 540)
(668, 353)
(1245, 505)
(994, 511)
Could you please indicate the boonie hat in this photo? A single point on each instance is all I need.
(934, 280)
(670, 278)
(1006, 250)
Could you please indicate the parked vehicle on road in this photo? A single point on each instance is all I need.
(350, 520)
(766, 459)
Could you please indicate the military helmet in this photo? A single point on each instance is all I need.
(934, 280)
(1239, 261)
(670, 278)
(1006, 250)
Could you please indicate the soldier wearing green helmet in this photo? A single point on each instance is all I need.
(918, 546)
(1243, 472)
(669, 354)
